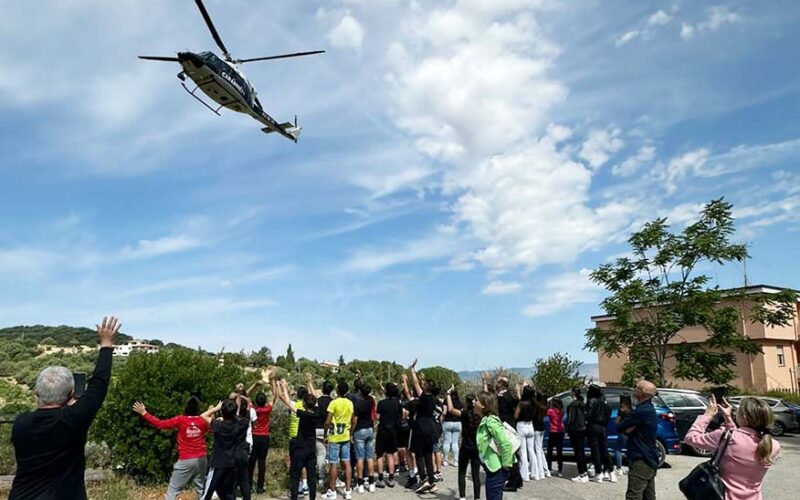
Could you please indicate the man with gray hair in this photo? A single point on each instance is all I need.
(641, 426)
(49, 442)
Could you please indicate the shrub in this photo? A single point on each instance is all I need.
(163, 382)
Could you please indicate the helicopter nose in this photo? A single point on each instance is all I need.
(191, 57)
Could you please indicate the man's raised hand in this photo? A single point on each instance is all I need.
(106, 331)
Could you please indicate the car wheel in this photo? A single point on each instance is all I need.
(662, 453)
(700, 452)
(778, 429)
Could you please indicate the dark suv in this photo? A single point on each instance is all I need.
(668, 441)
(687, 405)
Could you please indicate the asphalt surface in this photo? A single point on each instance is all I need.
(779, 483)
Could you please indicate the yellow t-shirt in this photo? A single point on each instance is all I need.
(342, 411)
(294, 420)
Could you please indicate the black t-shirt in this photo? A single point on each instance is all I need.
(426, 406)
(228, 436)
(506, 405)
(307, 428)
(322, 406)
(363, 411)
(449, 417)
(389, 411)
(49, 443)
(526, 411)
(469, 430)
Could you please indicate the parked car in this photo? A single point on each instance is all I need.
(787, 414)
(667, 442)
(687, 405)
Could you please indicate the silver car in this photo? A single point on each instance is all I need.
(787, 415)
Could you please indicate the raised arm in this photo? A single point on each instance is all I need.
(252, 388)
(415, 378)
(283, 394)
(85, 409)
(405, 387)
(208, 415)
(310, 386)
(450, 408)
(170, 423)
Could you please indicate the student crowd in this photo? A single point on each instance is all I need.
(415, 429)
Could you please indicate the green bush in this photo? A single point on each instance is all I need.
(442, 377)
(8, 464)
(163, 382)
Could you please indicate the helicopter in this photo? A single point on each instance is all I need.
(222, 81)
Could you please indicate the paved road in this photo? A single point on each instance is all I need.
(780, 483)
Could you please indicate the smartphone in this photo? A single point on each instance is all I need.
(80, 384)
(719, 394)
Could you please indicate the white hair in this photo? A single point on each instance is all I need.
(54, 385)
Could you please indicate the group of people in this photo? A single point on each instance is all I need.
(418, 429)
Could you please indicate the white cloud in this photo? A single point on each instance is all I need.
(633, 163)
(144, 249)
(687, 31)
(562, 292)
(442, 243)
(347, 34)
(27, 263)
(502, 288)
(627, 37)
(659, 18)
(597, 149)
(717, 17)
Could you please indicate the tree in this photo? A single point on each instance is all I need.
(657, 292)
(163, 382)
(341, 360)
(290, 361)
(442, 377)
(260, 358)
(557, 373)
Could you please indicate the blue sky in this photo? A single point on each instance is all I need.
(463, 164)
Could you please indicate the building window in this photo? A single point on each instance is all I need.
(781, 357)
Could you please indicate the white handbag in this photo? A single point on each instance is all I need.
(511, 435)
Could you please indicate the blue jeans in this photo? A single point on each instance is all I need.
(494, 484)
(622, 440)
(452, 430)
(364, 444)
(338, 451)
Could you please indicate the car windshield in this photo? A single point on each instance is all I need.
(673, 399)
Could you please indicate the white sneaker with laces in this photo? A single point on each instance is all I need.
(597, 478)
(339, 483)
(547, 474)
(348, 494)
(360, 489)
(613, 477)
(372, 487)
(329, 495)
(582, 478)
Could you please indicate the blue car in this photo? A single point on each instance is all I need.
(668, 441)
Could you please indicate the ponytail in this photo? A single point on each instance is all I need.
(764, 449)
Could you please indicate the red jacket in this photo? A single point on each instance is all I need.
(191, 434)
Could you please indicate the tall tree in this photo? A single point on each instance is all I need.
(557, 373)
(657, 291)
(290, 361)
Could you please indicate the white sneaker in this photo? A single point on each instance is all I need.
(372, 487)
(613, 477)
(339, 483)
(348, 494)
(597, 478)
(547, 474)
(445, 464)
(582, 478)
(329, 495)
(360, 489)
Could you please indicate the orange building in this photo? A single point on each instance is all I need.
(774, 369)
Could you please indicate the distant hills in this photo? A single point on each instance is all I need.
(589, 370)
(61, 336)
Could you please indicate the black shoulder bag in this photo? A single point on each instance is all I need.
(703, 483)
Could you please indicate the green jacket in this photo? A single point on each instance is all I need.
(490, 429)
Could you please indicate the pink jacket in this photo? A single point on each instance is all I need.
(741, 469)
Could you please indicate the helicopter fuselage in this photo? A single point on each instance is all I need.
(220, 81)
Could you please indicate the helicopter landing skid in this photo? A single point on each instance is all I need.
(204, 103)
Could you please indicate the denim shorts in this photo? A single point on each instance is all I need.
(365, 444)
(339, 452)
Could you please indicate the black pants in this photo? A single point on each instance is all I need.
(467, 456)
(242, 475)
(599, 448)
(578, 441)
(222, 482)
(555, 440)
(259, 455)
(303, 455)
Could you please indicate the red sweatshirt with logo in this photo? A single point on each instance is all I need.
(261, 425)
(191, 434)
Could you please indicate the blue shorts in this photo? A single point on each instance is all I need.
(339, 452)
(365, 444)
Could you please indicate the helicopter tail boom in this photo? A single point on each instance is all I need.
(289, 130)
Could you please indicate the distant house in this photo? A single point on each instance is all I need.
(135, 346)
(775, 369)
(333, 366)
